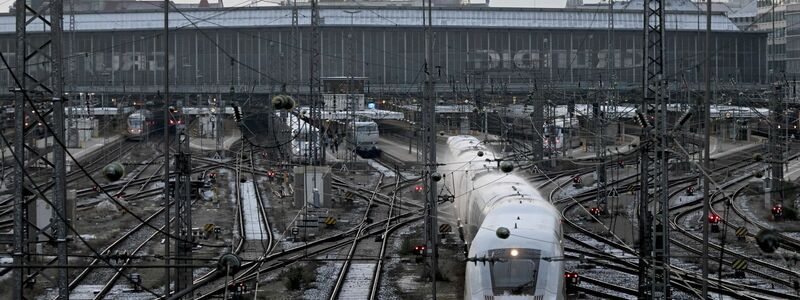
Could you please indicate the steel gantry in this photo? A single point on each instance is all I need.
(654, 205)
(316, 149)
(429, 148)
(45, 82)
(183, 212)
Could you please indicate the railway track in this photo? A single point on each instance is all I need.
(761, 268)
(130, 244)
(354, 291)
(326, 244)
(688, 282)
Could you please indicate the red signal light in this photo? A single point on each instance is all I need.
(418, 188)
(577, 179)
(714, 218)
(419, 249)
(777, 209)
(594, 211)
(572, 278)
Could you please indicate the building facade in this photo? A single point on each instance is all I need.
(253, 50)
(771, 19)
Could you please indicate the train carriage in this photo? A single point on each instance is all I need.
(488, 202)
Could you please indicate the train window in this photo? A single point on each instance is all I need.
(136, 122)
(517, 273)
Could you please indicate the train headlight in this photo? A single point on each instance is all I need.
(514, 252)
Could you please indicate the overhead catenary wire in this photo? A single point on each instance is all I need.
(60, 143)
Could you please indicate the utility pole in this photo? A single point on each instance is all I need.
(167, 218)
(294, 86)
(706, 149)
(351, 105)
(776, 146)
(654, 225)
(600, 153)
(59, 219)
(599, 114)
(71, 124)
(537, 122)
(429, 125)
(183, 211)
(316, 150)
(20, 205)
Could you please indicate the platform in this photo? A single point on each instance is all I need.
(253, 225)
(92, 145)
(721, 148)
(792, 171)
(211, 144)
(588, 153)
(396, 151)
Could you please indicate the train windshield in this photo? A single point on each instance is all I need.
(136, 122)
(370, 128)
(516, 272)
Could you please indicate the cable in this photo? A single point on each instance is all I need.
(40, 195)
(89, 175)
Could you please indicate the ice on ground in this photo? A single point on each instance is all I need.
(686, 199)
(384, 170)
(326, 274)
(358, 282)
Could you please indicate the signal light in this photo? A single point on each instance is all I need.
(419, 249)
(777, 212)
(595, 211)
(572, 278)
(690, 191)
(714, 218)
(418, 188)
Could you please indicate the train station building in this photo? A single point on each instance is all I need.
(254, 50)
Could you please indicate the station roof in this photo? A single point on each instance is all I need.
(443, 17)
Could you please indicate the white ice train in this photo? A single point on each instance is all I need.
(140, 123)
(524, 265)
